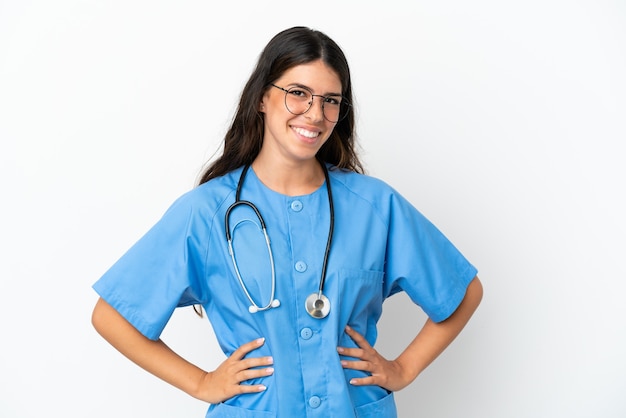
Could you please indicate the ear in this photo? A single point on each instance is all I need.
(262, 108)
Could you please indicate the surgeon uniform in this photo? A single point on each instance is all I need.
(381, 245)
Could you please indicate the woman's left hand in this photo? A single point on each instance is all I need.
(384, 373)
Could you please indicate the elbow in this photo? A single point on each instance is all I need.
(469, 304)
(98, 316)
(474, 293)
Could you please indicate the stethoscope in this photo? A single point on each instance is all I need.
(316, 304)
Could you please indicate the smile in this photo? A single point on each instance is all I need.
(306, 133)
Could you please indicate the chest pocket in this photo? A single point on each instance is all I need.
(360, 296)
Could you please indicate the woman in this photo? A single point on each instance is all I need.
(291, 251)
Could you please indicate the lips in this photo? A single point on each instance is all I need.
(306, 133)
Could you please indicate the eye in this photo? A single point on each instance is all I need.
(334, 101)
(302, 94)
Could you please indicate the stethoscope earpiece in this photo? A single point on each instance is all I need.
(254, 308)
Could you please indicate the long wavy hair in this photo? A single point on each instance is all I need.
(289, 48)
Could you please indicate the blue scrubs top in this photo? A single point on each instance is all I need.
(381, 245)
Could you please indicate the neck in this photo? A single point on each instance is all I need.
(288, 178)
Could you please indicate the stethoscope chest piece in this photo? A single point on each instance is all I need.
(317, 305)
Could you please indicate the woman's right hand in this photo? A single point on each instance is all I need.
(157, 358)
(226, 381)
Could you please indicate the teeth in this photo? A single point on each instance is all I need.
(306, 133)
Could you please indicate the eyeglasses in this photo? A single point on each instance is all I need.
(298, 101)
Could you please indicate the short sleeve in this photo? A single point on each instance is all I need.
(423, 262)
(162, 271)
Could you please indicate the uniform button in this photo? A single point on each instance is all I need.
(301, 266)
(314, 401)
(306, 333)
(296, 206)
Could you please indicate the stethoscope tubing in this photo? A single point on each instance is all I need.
(316, 304)
(273, 302)
(331, 229)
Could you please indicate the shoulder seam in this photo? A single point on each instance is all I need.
(375, 209)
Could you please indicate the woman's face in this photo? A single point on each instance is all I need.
(298, 138)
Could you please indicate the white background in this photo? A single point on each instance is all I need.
(503, 122)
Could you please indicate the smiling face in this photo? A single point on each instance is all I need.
(297, 138)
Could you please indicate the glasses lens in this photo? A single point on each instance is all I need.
(299, 101)
(333, 106)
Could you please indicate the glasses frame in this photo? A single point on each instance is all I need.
(344, 102)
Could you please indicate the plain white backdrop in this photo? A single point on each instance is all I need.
(503, 122)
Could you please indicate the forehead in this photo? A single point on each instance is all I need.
(316, 75)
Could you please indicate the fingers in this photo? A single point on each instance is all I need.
(366, 381)
(252, 374)
(366, 359)
(357, 338)
(229, 378)
(249, 389)
(244, 349)
(365, 353)
(248, 368)
(252, 369)
(365, 350)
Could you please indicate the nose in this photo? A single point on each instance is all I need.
(316, 111)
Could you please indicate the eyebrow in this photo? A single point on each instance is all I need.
(310, 89)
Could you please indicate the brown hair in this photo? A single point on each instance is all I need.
(287, 49)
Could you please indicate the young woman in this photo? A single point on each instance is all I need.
(291, 251)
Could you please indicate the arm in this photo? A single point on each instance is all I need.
(429, 343)
(158, 359)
